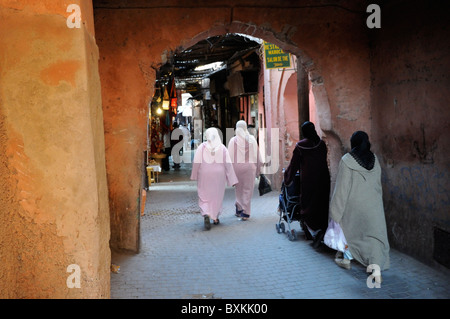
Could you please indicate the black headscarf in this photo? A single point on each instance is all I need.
(361, 150)
(309, 132)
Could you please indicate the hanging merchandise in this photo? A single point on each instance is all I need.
(157, 95)
(173, 97)
(166, 100)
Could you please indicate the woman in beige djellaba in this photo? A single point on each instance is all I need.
(357, 207)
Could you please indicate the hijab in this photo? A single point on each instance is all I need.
(361, 150)
(246, 144)
(309, 132)
(242, 132)
(213, 140)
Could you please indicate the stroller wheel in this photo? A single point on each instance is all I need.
(292, 235)
(283, 229)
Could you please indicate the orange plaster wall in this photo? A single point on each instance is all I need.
(60, 71)
(49, 137)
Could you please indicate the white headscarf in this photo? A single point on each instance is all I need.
(242, 132)
(245, 143)
(213, 140)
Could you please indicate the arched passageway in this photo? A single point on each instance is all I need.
(67, 188)
(122, 72)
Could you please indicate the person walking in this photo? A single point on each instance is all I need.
(213, 170)
(176, 137)
(357, 206)
(244, 153)
(309, 158)
(167, 148)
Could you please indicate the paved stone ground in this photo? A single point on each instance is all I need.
(247, 259)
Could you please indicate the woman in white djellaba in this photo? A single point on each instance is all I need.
(245, 156)
(357, 207)
(213, 170)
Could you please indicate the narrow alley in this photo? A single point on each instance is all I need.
(237, 259)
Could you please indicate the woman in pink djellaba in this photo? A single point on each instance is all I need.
(244, 154)
(213, 171)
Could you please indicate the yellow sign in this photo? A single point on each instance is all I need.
(275, 57)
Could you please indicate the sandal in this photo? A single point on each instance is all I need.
(216, 222)
(244, 216)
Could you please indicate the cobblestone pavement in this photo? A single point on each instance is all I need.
(247, 259)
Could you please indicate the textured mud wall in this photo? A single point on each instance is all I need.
(53, 192)
(411, 95)
(135, 37)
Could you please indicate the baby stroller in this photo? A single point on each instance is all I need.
(289, 208)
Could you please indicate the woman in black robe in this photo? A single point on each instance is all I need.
(309, 158)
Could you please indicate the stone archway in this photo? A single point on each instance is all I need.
(132, 45)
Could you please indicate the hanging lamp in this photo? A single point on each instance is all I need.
(166, 100)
